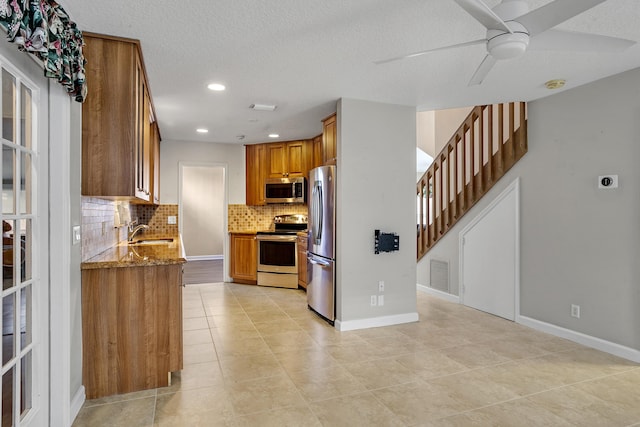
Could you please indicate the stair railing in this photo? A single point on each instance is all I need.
(487, 144)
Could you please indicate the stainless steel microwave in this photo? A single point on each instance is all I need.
(285, 190)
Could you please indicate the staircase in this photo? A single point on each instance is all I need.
(486, 145)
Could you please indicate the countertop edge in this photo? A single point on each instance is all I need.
(119, 262)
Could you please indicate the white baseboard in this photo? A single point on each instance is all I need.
(204, 257)
(439, 294)
(375, 322)
(586, 340)
(77, 402)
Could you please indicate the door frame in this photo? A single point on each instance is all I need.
(225, 186)
(513, 187)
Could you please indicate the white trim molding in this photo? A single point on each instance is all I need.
(439, 294)
(580, 338)
(375, 322)
(77, 401)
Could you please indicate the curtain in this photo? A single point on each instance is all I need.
(43, 28)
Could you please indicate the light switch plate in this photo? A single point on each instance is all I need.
(171, 219)
(75, 234)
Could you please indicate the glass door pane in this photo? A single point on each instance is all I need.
(18, 168)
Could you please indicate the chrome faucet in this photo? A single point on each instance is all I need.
(133, 231)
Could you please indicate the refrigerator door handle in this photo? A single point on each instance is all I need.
(317, 212)
(317, 261)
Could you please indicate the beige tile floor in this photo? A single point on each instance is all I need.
(258, 357)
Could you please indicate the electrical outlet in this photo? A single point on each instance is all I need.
(374, 300)
(575, 311)
(380, 300)
(171, 219)
(381, 286)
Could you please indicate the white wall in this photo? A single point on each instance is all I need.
(203, 210)
(580, 245)
(173, 152)
(375, 190)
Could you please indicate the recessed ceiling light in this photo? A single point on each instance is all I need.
(555, 84)
(202, 130)
(274, 135)
(217, 87)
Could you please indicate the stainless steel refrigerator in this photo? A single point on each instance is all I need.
(321, 290)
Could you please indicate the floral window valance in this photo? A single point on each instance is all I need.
(43, 28)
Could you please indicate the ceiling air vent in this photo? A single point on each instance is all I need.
(262, 107)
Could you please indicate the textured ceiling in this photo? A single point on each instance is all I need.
(305, 55)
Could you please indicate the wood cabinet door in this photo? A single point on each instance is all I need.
(329, 140)
(302, 262)
(276, 160)
(109, 118)
(297, 159)
(155, 164)
(143, 143)
(244, 262)
(316, 155)
(255, 174)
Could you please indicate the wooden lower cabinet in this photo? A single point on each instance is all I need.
(131, 328)
(302, 261)
(244, 258)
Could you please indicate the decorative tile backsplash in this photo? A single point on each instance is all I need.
(156, 217)
(251, 218)
(98, 227)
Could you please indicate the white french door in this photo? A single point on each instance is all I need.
(24, 206)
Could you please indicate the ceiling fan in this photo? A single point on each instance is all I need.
(512, 29)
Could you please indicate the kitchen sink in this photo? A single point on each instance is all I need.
(151, 242)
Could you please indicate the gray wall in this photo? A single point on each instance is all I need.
(173, 152)
(579, 245)
(375, 183)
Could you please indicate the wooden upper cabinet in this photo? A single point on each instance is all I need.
(329, 140)
(275, 160)
(255, 174)
(317, 159)
(117, 117)
(288, 159)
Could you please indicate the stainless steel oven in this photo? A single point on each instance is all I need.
(278, 252)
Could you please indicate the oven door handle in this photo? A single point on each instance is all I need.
(277, 238)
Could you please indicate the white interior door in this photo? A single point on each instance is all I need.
(489, 257)
(25, 293)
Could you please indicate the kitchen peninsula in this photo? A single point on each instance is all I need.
(132, 316)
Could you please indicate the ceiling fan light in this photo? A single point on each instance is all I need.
(508, 46)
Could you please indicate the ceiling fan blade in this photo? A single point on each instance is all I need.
(423, 52)
(485, 66)
(554, 13)
(483, 14)
(577, 42)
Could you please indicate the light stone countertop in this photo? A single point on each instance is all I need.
(126, 255)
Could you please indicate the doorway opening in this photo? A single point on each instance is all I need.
(203, 220)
